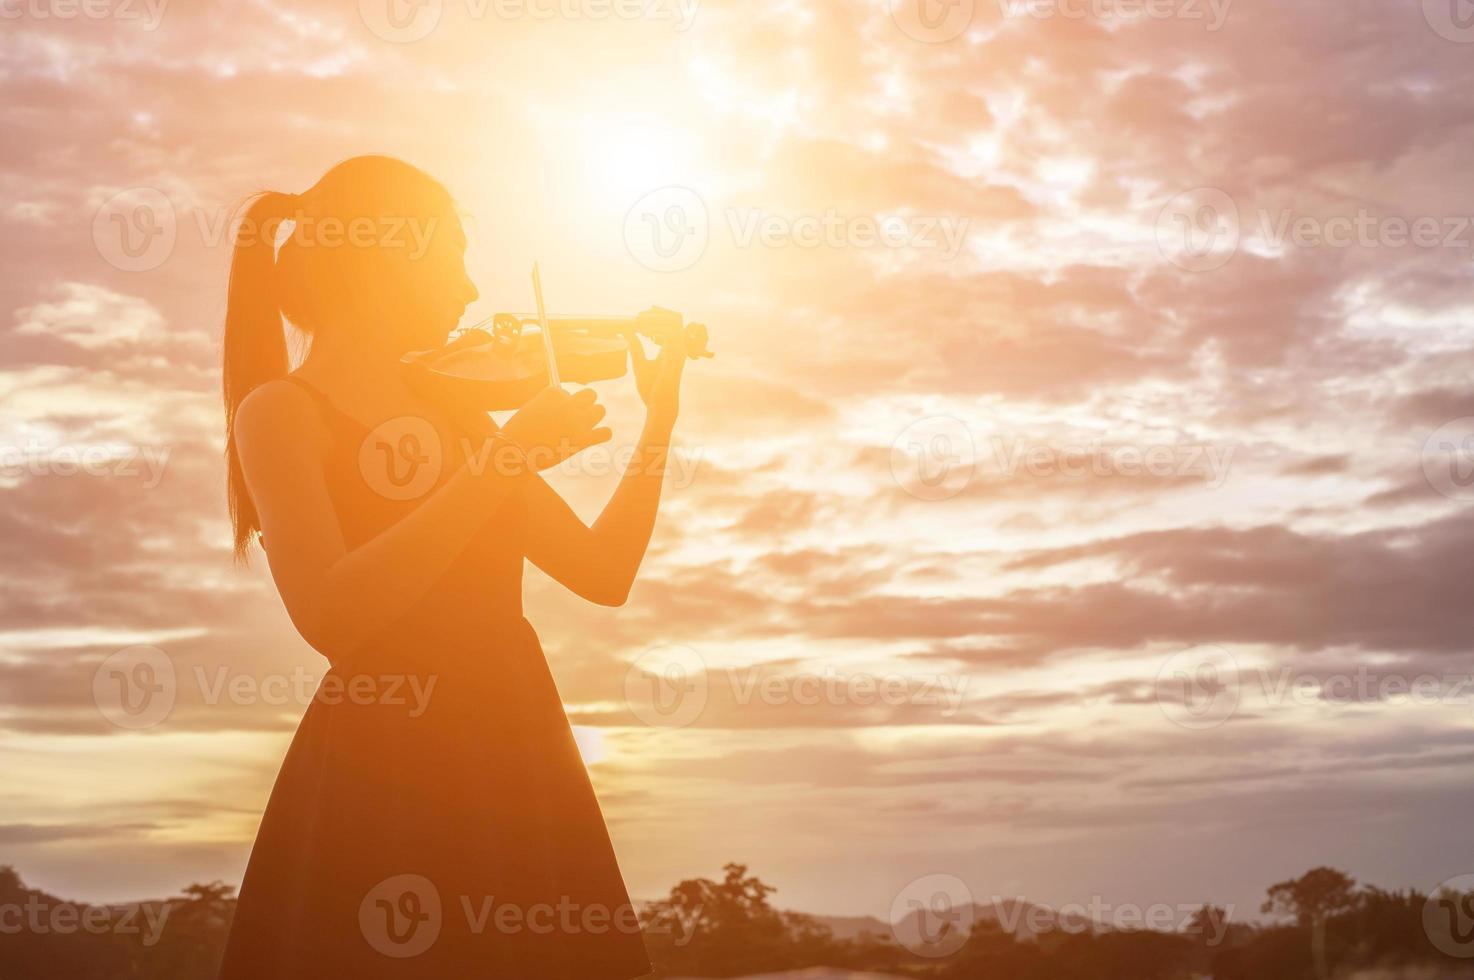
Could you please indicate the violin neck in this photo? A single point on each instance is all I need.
(654, 323)
(605, 326)
(595, 326)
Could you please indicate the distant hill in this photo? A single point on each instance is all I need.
(853, 926)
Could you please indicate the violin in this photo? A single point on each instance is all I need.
(501, 369)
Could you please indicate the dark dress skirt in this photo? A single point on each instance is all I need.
(433, 817)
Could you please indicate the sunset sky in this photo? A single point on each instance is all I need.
(1064, 351)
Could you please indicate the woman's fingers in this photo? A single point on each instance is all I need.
(582, 412)
(637, 350)
(584, 408)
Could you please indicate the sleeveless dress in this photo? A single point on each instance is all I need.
(433, 817)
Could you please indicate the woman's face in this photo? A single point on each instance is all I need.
(440, 289)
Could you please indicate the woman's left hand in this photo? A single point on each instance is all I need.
(659, 381)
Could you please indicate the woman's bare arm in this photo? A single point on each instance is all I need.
(338, 598)
(600, 563)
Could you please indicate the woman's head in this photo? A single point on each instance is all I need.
(375, 250)
(372, 255)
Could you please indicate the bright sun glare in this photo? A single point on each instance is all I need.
(624, 158)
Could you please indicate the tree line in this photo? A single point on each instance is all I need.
(1325, 927)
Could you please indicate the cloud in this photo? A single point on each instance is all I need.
(92, 317)
(1061, 322)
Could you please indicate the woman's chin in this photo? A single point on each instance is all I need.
(430, 339)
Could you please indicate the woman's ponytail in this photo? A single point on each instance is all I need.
(255, 341)
(319, 281)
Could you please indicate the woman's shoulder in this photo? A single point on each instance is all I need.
(279, 410)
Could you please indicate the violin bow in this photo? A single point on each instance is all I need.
(542, 321)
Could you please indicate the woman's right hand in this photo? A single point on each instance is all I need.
(555, 425)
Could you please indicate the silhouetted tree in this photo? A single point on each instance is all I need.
(1313, 898)
(193, 935)
(727, 928)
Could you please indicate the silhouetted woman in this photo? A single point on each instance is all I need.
(433, 817)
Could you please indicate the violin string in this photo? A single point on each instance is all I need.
(525, 321)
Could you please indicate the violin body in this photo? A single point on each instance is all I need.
(502, 369)
(494, 378)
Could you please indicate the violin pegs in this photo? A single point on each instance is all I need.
(506, 328)
(696, 341)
